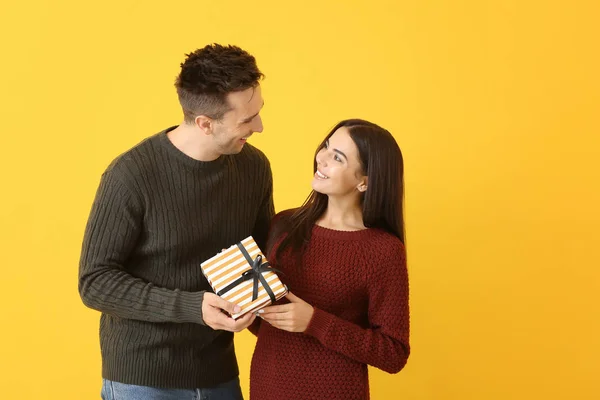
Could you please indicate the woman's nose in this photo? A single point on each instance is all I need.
(320, 159)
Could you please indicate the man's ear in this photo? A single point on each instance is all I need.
(204, 123)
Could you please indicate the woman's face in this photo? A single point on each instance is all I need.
(339, 171)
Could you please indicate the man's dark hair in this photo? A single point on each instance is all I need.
(209, 74)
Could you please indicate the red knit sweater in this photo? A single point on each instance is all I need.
(357, 283)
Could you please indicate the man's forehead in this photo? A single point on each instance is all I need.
(253, 93)
(246, 98)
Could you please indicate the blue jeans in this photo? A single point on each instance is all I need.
(120, 391)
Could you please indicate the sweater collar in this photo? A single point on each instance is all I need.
(183, 158)
(342, 235)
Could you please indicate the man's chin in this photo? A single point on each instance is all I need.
(233, 151)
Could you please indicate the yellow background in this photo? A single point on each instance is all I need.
(494, 104)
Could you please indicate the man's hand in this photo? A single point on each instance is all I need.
(214, 311)
(292, 317)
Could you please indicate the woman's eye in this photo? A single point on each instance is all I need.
(337, 158)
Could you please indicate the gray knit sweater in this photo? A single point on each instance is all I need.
(157, 215)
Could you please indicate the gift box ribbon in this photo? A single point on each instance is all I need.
(255, 273)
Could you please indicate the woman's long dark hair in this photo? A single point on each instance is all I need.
(382, 202)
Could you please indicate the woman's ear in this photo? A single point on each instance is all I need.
(362, 186)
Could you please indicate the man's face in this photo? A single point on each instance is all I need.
(239, 123)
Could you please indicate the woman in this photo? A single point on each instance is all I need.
(342, 256)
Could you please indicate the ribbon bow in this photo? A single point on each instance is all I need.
(255, 273)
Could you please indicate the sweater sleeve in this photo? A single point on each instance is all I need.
(255, 326)
(385, 343)
(113, 227)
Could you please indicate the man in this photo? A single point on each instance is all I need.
(162, 208)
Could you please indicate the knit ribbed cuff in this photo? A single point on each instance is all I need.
(319, 325)
(190, 307)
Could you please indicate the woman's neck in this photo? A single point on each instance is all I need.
(342, 215)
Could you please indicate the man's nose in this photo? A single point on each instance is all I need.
(258, 125)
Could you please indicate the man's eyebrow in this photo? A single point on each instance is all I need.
(250, 118)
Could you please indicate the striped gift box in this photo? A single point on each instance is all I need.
(242, 275)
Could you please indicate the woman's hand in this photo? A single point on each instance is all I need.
(292, 317)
